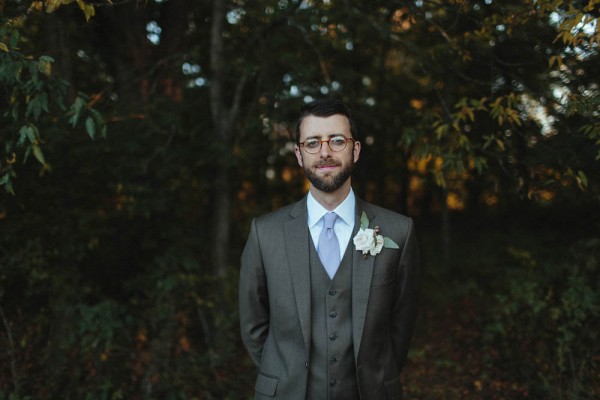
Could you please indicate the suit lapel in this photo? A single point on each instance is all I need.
(296, 242)
(362, 273)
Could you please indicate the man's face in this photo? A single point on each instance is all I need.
(327, 170)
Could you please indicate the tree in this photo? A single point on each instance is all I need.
(35, 97)
(223, 118)
(128, 241)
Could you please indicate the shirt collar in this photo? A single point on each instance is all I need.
(345, 210)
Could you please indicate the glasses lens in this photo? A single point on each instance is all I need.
(312, 145)
(337, 143)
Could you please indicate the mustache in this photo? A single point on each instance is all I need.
(327, 163)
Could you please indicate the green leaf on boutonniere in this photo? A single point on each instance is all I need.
(364, 221)
(369, 241)
(389, 243)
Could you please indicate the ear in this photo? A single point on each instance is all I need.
(298, 155)
(356, 150)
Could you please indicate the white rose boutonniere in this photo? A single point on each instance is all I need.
(369, 241)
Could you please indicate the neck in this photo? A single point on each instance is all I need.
(330, 200)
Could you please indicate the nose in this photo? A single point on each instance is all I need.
(325, 151)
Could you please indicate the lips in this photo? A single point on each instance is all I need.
(326, 168)
(327, 165)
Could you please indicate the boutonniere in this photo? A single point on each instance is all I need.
(369, 241)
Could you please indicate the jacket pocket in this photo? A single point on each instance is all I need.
(393, 389)
(266, 385)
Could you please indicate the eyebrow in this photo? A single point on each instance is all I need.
(330, 136)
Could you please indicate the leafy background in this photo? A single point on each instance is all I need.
(139, 139)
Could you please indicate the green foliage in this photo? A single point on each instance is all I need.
(170, 334)
(545, 324)
(513, 92)
(35, 102)
(105, 282)
(51, 6)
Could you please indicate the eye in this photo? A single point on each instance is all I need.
(338, 140)
(312, 143)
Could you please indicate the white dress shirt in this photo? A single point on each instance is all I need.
(344, 225)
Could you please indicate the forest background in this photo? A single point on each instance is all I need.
(139, 139)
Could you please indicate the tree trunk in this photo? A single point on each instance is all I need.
(221, 220)
(223, 121)
(122, 44)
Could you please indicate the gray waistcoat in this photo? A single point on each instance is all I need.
(332, 374)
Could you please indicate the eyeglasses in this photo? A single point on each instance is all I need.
(336, 143)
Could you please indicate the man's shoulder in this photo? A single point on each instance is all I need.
(281, 214)
(390, 222)
(385, 213)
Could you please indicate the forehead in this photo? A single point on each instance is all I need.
(313, 126)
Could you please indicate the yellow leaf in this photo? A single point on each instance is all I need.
(88, 10)
(417, 104)
(52, 5)
(37, 152)
(441, 130)
(12, 159)
(555, 59)
(439, 179)
(471, 114)
(45, 67)
(36, 5)
(3, 47)
(500, 144)
(582, 180)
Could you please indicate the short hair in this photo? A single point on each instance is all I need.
(325, 108)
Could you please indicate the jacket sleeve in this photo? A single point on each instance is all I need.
(253, 297)
(405, 307)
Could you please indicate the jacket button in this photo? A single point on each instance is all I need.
(332, 360)
(332, 292)
(332, 382)
(333, 337)
(333, 314)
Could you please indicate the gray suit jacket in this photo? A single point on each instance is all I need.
(275, 309)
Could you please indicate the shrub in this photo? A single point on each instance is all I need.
(544, 328)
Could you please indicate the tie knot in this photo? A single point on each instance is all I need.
(329, 220)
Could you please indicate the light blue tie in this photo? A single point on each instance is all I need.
(329, 248)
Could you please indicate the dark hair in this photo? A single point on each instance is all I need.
(325, 108)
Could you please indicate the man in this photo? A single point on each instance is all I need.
(325, 316)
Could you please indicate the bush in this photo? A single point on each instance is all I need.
(171, 332)
(544, 328)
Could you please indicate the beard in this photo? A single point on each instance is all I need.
(330, 183)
